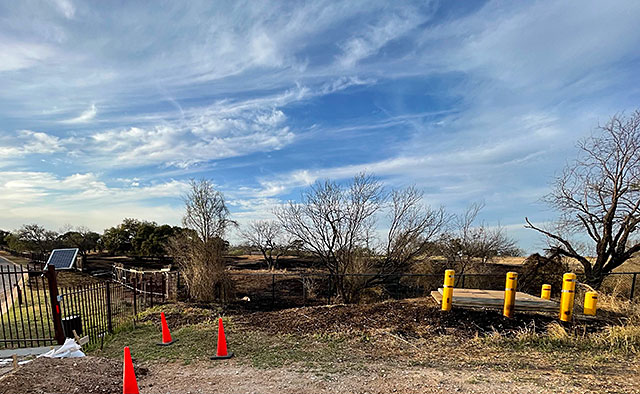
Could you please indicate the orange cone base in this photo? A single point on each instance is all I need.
(166, 343)
(229, 355)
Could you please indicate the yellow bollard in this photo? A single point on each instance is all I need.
(447, 290)
(567, 296)
(590, 303)
(546, 292)
(510, 294)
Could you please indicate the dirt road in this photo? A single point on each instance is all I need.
(230, 378)
(8, 283)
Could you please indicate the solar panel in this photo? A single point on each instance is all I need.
(62, 259)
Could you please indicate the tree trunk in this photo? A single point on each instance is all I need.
(594, 279)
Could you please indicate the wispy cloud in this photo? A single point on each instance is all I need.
(83, 198)
(26, 142)
(471, 101)
(84, 117)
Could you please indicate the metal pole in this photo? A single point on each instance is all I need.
(447, 290)
(108, 300)
(510, 294)
(55, 305)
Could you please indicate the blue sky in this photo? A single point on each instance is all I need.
(108, 108)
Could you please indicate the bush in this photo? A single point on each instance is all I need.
(203, 266)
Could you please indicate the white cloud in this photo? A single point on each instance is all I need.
(26, 142)
(66, 7)
(17, 54)
(84, 199)
(84, 117)
(391, 26)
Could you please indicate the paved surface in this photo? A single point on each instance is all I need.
(5, 263)
(24, 352)
(5, 285)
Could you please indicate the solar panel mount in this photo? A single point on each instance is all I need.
(62, 259)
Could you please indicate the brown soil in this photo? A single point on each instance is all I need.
(230, 377)
(72, 375)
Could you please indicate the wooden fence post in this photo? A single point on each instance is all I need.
(135, 297)
(55, 305)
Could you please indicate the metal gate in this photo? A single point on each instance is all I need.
(26, 309)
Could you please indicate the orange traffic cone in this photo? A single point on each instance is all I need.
(129, 383)
(166, 335)
(222, 344)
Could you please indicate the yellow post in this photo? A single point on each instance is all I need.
(510, 293)
(567, 296)
(590, 303)
(447, 290)
(546, 292)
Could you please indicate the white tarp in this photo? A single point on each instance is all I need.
(69, 349)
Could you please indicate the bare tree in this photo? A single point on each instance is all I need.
(470, 242)
(206, 212)
(268, 237)
(337, 224)
(599, 195)
(199, 250)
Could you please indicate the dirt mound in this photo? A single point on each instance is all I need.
(71, 375)
(411, 318)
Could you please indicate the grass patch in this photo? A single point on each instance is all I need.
(624, 339)
(197, 342)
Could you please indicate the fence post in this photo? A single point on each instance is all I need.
(55, 305)
(135, 297)
(273, 289)
(165, 282)
(108, 300)
(19, 295)
(633, 287)
(151, 289)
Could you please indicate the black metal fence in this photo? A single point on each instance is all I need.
(275, 290)
(25, 308)
(34, 311)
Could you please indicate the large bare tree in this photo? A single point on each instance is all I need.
(206, 212)
(338, 225)
(599, 195)
(268, 237)
(199, 250)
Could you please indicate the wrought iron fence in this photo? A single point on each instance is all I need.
(25, 308)
(34, 311)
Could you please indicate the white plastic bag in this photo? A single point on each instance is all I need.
(69, 349)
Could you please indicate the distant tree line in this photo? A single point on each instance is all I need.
(133, 238)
